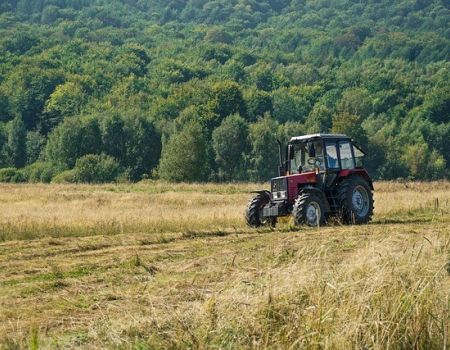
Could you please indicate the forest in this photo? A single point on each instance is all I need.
(200, 90)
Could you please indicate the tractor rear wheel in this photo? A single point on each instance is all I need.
(356, 200)
(308, 209)
(253, 214)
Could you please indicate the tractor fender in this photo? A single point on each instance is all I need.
(319, 193)
(356, 172)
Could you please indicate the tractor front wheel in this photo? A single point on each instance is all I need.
(308, 209)
(356, 201)
(253, 214)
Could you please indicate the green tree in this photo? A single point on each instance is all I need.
(35, 143)
(218, 35)
(114, 137)
(227, 99)
(264, 79)
(72, 139)
(350, 125)
(67, 100)
(185, 157)
(258, 104)
(436, 106)
(142, 147)
(230, 142)
(356, 102)
(3, 142)
(30, 88)
(319, 119)
(4, 108)
(423, 163)
(289, 104)
(16, 144)
(264, 155)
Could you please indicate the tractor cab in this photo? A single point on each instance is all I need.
(323, 167)
(321, 153)
(324, 154)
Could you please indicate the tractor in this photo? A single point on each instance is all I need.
(320, 176)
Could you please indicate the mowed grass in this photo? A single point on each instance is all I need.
(156, 265)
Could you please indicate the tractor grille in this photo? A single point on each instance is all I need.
(279, 184)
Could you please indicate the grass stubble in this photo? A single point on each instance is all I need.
(155, 265)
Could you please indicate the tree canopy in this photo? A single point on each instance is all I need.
(207, 86)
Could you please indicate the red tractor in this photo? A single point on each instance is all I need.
(321, 177)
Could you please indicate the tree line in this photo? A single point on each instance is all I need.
(94, 91)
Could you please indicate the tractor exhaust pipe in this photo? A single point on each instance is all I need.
(280, 159)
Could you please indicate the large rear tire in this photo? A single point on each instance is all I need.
(253, 214)
(308, 210)
(356, 201)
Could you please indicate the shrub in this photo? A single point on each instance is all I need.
(41, 172)
(12, 175)
(94, 168)
(67, 176)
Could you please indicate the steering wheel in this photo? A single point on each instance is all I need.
(315, 161)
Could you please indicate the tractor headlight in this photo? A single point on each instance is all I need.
(279, 195)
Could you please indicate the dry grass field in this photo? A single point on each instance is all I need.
(155, 265)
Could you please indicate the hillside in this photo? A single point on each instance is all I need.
(199, 90)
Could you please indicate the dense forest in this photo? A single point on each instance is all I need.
(199, 90)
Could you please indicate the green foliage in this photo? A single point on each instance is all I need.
(289, 104)
(121, 78)
(72, 139)
(114, 136)
(436, 106)
(319, 119)
(264, 156)
(66, 100)
(424, 164)
(264, 79)
(348, 124)
(96, 168)
(30, 88)
(356, 102)
(228, 99)
(230, 142)
(185, 158)
(16, 144)
(3, 140)
(35, 143)
(258, 104)
(11, 175)
(4, 107)
(65, 177)
(40, 172)
(142, 147)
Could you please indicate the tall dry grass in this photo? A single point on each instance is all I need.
(33, 211)
(178, 269)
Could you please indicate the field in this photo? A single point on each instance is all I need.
(155, 265)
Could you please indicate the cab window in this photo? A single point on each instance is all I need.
(301, 162)
(345, 151)
(332, 158)
(359, 156)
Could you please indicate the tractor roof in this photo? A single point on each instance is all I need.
(318, 136)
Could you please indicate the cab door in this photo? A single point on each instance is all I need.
(333, 164)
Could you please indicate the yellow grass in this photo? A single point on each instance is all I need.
(155, 265)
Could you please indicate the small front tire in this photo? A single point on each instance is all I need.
(253, 214)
